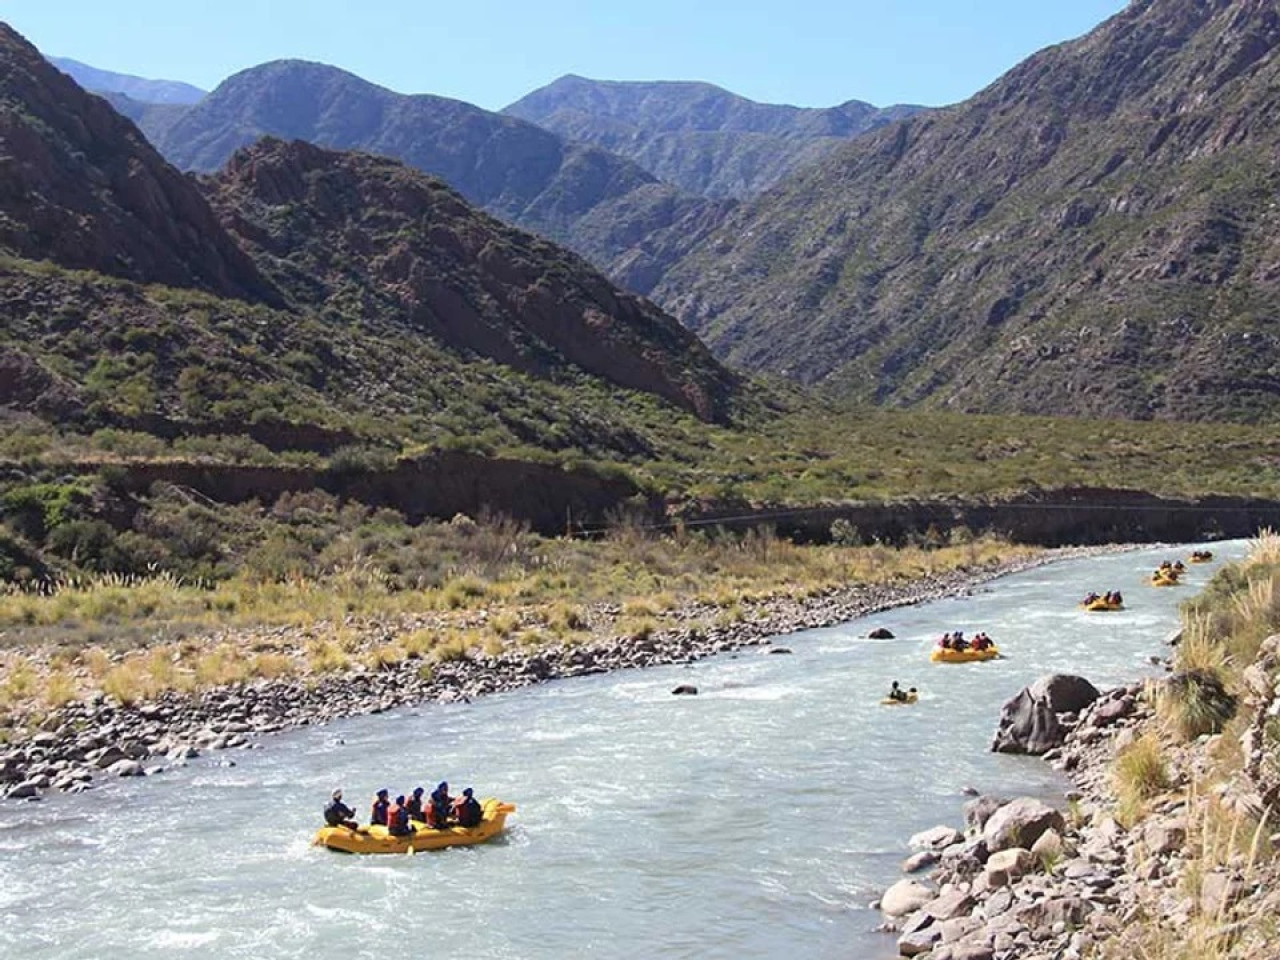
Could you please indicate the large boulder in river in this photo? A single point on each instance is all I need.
(1065, 692)
(1020, 823)
(1029, 722)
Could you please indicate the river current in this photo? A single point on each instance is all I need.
(757, 819)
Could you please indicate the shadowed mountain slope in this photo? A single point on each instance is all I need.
(80, 185)
(387, 241)
(322, 299)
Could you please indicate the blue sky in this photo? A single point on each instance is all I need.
(490, 52)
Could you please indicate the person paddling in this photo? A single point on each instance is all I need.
(467, 809)
(441, 806)
(414, 804)
(338, 814)
(378, 814)
(896, 692)
(398, 819)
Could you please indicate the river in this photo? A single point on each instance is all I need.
(753, 820)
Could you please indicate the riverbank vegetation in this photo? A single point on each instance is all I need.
(1212, 764)
(315, 586)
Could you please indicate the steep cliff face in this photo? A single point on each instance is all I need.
(81, 186)
(1095, 233)
(599, 204)
(697, 136)
(352, 229)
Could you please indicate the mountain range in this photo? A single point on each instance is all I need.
(1094, 233)
(136, 88)
(697, 136)
(305, 286)
(601, 205)
(1091, 234)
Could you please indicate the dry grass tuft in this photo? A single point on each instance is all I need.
(1141, 773)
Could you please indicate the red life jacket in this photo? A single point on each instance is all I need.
(397, 816)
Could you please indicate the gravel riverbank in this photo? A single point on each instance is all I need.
(87, 740)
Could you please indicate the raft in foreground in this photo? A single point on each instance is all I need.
(377, 840)
(1101, 605)
(963, 656)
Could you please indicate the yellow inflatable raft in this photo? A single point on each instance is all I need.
(377, 840)
(1159, 580)
(1102, 604)
(1201, 557)
(890, 702)
(963, 656)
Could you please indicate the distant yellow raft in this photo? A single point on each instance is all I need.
(377, 840)
(963, 656)
(1198, 557)
(890, 702)
(1162, 581)
(1102, 604)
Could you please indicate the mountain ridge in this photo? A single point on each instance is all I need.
(1091, 234)
(97, 80)
(600, 205)
(80, 185)
(696, 135)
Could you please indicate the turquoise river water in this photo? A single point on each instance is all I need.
(757, 819)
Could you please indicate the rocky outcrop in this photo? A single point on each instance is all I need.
(79, 185)
(1029, 723)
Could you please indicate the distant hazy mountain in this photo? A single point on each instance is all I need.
(138, 88)
(603, 206)
(697, 136)
(1095, 233)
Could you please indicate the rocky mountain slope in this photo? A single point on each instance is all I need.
(697, 136)
(80, 186)
(604, 207)
(1095, 233)
(382, 237)
(327, 290)
(137, 88)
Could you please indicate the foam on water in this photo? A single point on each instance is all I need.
(750, 821)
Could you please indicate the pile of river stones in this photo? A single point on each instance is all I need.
(1027, 881)
(101, 737)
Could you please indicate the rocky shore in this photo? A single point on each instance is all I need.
(86, 740)
(1026, 881)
